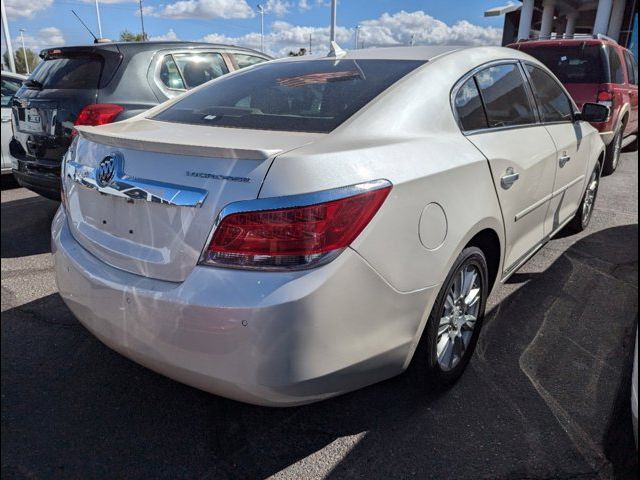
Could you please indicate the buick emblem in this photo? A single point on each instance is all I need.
(106, 171)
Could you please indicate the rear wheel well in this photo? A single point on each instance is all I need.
(488, 241)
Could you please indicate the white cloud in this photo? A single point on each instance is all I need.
(204, 9)
(21, 8)
(43, 38)
(401, 27)
(166, 37)
(303, 5)
(278, 8)
(109, 1)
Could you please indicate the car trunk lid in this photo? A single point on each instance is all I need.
(170, 182)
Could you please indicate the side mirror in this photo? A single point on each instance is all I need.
(593, 112)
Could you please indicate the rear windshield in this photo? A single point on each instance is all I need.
(573, 64)
(302, 96)
(77, 72)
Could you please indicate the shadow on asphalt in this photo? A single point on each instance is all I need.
(538, 401)
(26, 226)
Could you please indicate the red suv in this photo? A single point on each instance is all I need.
(596, 70)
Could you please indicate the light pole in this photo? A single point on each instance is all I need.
(99, 21)
(334, 8)
(24, 51)
(144, 34)
(7, 38)
(261, 10)
(358, 27)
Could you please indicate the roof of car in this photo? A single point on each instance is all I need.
(155, 45)
(385, 53)
(563, 42)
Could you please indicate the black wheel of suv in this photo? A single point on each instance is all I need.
(583, 216)
(612, 158)
(452, 330)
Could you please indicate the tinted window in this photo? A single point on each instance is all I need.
(198, 68)
(617, 74)
(9, 88)
(632, 68)
(505, 96)
(306, 96)
(469, 107)
(573, 64)
(169, 74)
(553, 103)
(247, 60)
(76, 72)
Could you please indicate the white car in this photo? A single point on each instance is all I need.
(11, 82)
(306, 227)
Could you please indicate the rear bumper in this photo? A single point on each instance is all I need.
(267, 338)
(43, 181)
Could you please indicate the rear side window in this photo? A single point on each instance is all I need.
(170, 76)
(468, 105)
(505, 96)
(244, 60)
(617, 74)
(74, 72)
(632, 68)
(553, 103)
(9, 88)
(198, 68)
(303, 96)
(573, 64)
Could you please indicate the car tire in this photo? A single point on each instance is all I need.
(612, 156)
(583, 216)
(433, 363)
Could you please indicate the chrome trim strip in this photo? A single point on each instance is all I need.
(545, 199)
(132, 188)
(290, 201)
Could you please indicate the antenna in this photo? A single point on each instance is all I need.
(95, 39)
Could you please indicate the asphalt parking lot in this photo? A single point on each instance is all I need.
(546, 395)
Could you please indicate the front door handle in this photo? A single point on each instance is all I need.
(563, 160)
(509, 178)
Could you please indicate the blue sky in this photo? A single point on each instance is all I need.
(288, 23)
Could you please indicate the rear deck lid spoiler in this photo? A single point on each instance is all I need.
(196, 140)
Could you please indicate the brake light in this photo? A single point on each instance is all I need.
(293, 238)
(97, 114)
(605, 96)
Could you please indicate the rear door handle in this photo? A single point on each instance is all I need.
(563, 160)
(509, 178)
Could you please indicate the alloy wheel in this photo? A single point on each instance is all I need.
(617, 150)
(590, 197)
(459, 317)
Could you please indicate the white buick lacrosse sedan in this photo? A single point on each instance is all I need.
(309, 226)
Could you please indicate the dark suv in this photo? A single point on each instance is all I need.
(103, 83)
(596, 70)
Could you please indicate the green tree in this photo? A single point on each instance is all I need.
(18, 57)
(127, 36)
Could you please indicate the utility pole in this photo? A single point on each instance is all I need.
(144, 35)
(334, 8)
(7, 38)
(309, 44)
(261, 10)
(99, 21)
(24, 51)
(358, 27)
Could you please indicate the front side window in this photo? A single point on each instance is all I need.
(632, 68)
(617, 74)
(244, 60)
(554, 104)
(302, 96)
(9, 88)
(505, 96)
(469, 107)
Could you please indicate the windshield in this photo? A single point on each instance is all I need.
(302, 96)
(73, 72)
(573, 64)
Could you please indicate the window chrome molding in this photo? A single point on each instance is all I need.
(285, 202)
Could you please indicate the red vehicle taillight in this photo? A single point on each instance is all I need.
(97, 114)
(290, 238)
(605, 96)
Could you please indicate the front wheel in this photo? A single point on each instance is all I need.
(452, 330)
(583, 216)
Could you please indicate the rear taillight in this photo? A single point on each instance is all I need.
(295, 237)
(605, 96)
(98, 114)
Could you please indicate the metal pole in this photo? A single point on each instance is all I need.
(144, 35)
(357, 35)
(7, 39)
(309, 44)
(334, 9)
(24, 51)
(261, 10)
(99, 21)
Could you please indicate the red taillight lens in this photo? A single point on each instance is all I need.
(98, 114)
(605, 96)
(292, 237)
